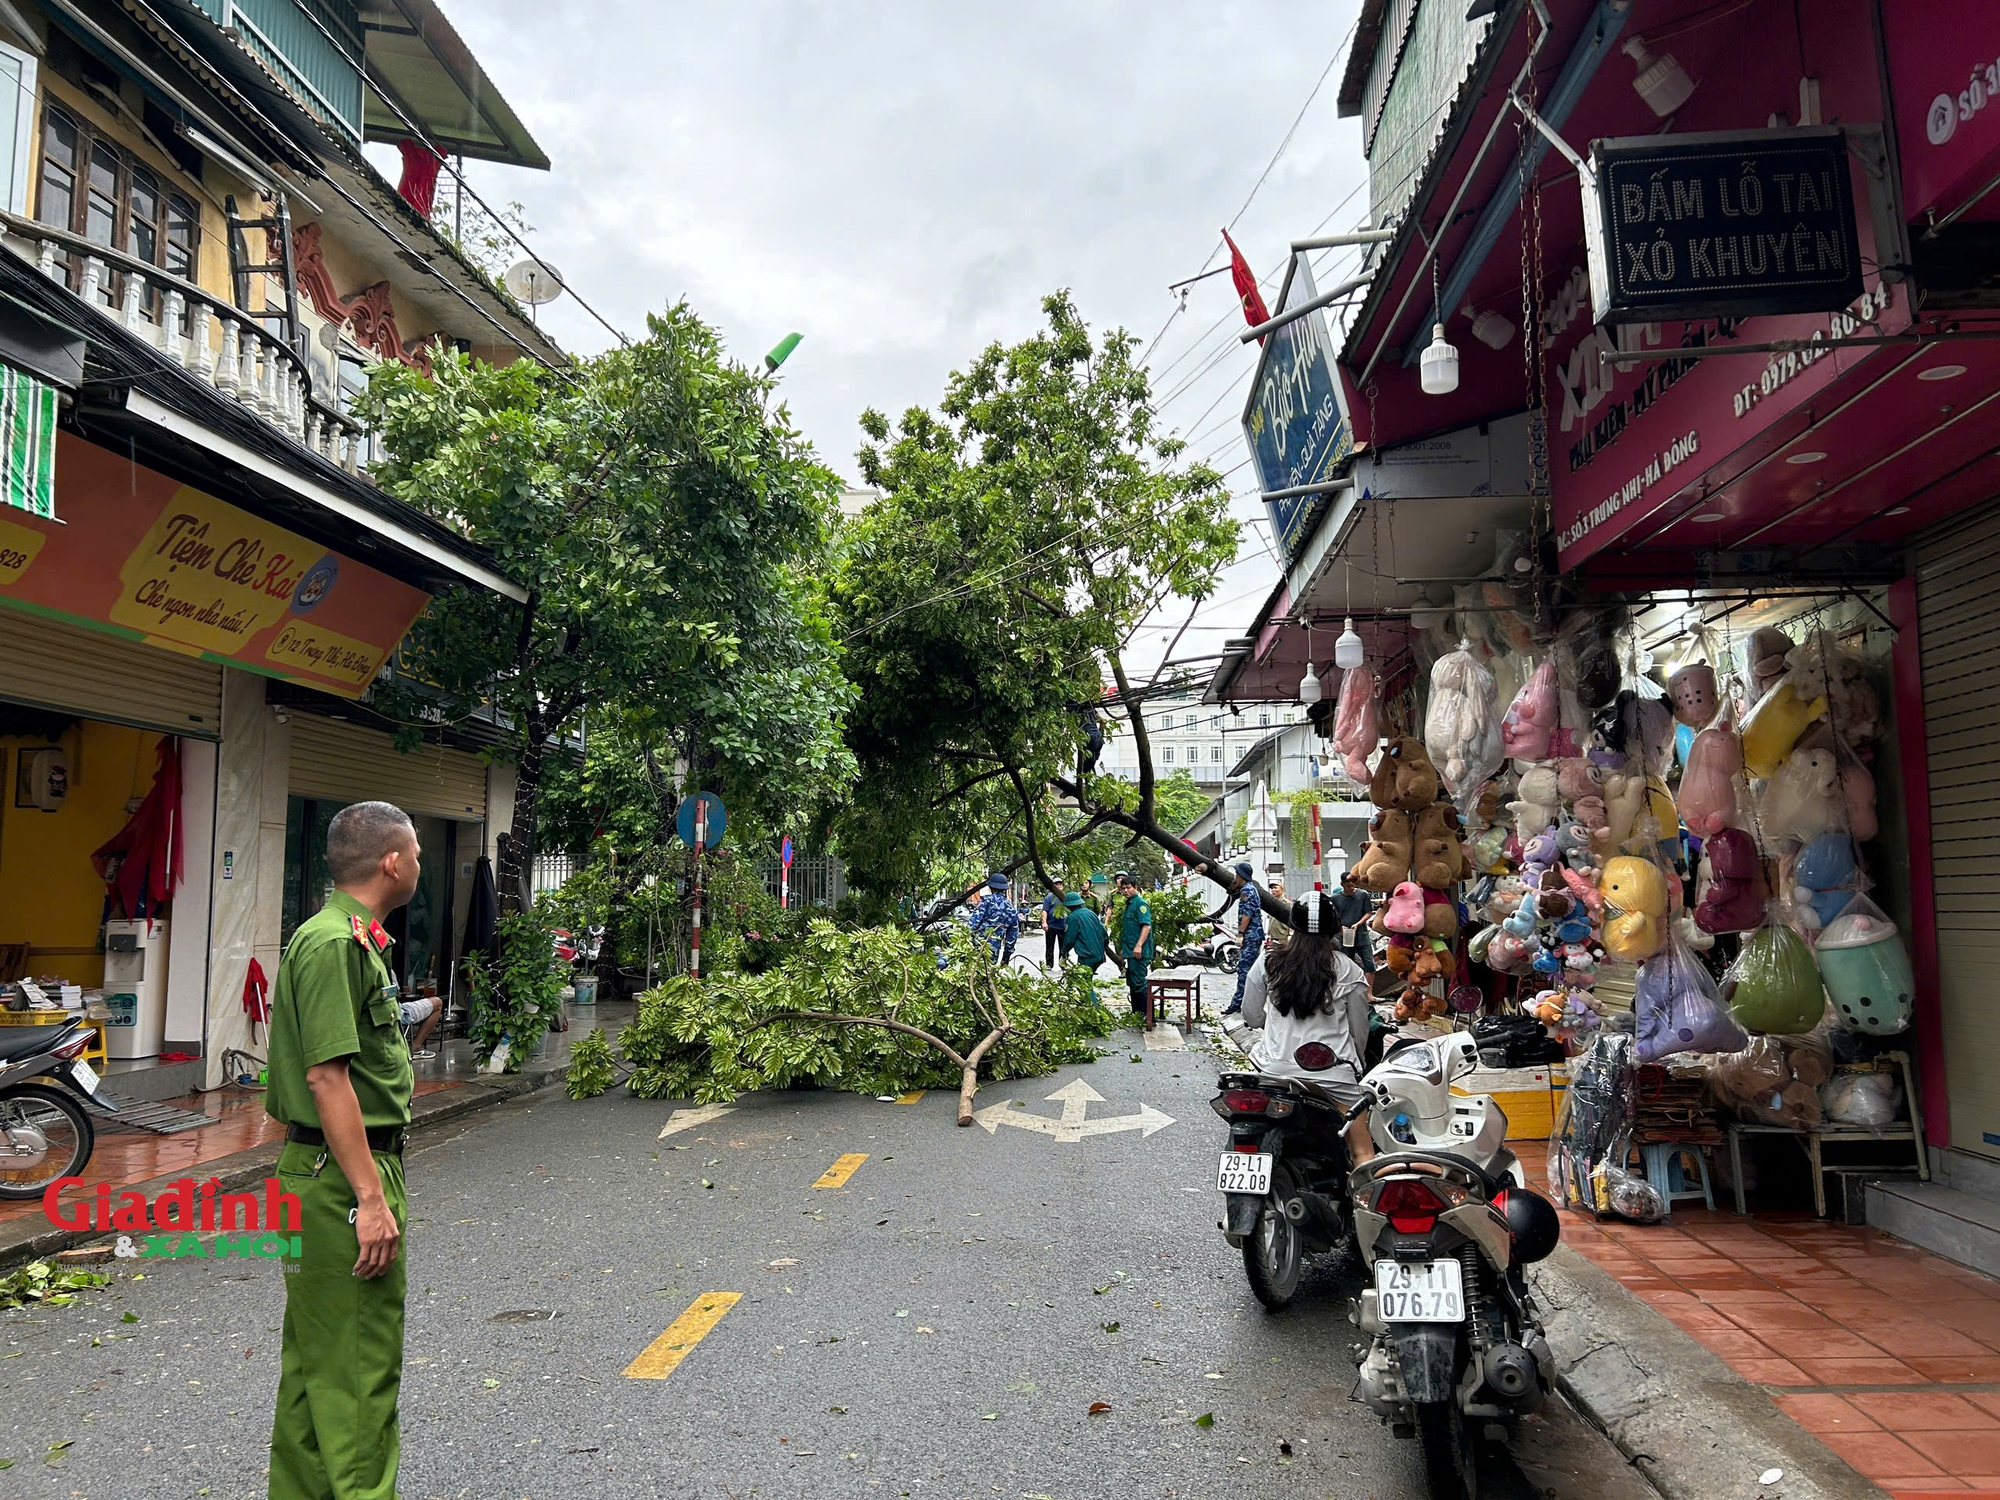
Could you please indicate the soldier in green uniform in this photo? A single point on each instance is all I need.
(340, 1080)
(1135, 940)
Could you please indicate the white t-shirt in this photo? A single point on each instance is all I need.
(1344, 1028)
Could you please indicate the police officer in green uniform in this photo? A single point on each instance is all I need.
(340, 1080)
(1135, 940)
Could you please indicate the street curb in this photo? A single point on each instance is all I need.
(1691, 1425)
(34, 1238)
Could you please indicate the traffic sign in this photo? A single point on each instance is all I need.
(785, 849)
(715, 818)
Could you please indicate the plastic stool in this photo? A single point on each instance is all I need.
(1666, 1172)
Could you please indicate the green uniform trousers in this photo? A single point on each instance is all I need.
(1135, 981)
(335, 1436)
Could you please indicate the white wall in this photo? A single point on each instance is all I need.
(246, 920)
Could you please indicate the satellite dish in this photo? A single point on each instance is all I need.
(533, 282)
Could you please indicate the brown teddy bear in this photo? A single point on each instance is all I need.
(1385, 859)
(1404, 777)
(1440, 851)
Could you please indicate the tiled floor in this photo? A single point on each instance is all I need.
(1886, 1353)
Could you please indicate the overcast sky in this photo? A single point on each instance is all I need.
(902, 182)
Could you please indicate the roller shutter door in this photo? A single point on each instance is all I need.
(336, 760)
(46, 663)
(1958, 613)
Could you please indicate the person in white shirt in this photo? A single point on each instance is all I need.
(1307, 990)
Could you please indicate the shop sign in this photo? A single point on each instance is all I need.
(146, 558)
(1722, 224)
(1296, 421)
(1944, 74)
(1628, 439)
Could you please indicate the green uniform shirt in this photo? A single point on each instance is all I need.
(336, 997)
(1085, 937)
(1138, 915)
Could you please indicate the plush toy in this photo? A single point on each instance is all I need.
(1459, 720)
(1636, 891)
(1624, 800)
(1476, 948)
(1547, 1007)
(1774, 985)
(1440, 853)
(1440, 914)
(1404, 777)
(1708, 785)
(1575, 927)
(1649, 729)
(1857, 792)
(1825, 877)
(1357, 721)
(1690, 933)
(1802, 799)
(1521, 921)
(1429, 967)
(1531, 716)
(1548, 961)
(1537, 801)
(1692, 692)
(1766, 651)
(1508, 954)
(1774, 726)
(1583, 886)
(1404, 910)
(1538, 855)
(1823, 668)
(1658, 821)
(1678, 1009)
(1579, 961)
(1866, 969)
(1385, 859)
(1399, 953)
(1573, 843)
(1582, 786)
(1735, 899)
(1488, 852)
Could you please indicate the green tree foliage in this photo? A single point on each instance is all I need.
(516, 994)
(666, 525)
(1177, 801)
(592, 1069)
(1030, 524)
(870, 1011)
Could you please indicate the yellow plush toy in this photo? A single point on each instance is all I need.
(1774, 726)
(1666, 820)
(1635, 898)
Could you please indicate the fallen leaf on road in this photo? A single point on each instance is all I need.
(991, 1416)
(490, 1383)
(1109, 1327)
(923, 1328)
(1099, 1408)
(706, 1183)
(773, 1265)
(130, 1317)
(838, 1411)
(1206, 1419)
(902, 1312)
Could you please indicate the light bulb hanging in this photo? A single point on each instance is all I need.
(1309, 688)
(1437, 371)
(1349, 650)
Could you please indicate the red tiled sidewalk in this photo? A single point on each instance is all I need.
(130, 1156)
(1888, 1354)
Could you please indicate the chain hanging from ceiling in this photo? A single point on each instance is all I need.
(1540, 518)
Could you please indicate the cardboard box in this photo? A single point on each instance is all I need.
(1528, 1096)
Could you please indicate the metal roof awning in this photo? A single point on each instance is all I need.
(417, 63)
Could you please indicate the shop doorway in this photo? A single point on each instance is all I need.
(426, 930)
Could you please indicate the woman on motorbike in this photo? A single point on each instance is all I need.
(1307, 990)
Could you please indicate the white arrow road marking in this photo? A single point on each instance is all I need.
(1076, 1097)
(687, 1119)
(1165, 1038)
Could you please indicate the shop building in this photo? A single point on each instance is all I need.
(1688, 314)
(200, 585)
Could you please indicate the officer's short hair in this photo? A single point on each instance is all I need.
(359, 835)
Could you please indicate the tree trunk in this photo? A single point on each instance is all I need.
(518, 854)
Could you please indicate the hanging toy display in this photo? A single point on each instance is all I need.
(1708, 784)
(1459, 722)
(1679, 1008)
(1693, 694)
(1357, 721)
(1866, 969)
(1404, 777)
(1635, 903)
(1735, 898)
(1773, 727)
(1774, 985)
(1531, 717)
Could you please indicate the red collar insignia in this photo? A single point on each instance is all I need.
(371, 935)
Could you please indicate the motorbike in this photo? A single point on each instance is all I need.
(1219, 950)
(1284, 1177)
(44, 1132)
(1446, 1224)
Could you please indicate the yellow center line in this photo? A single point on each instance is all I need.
(837, 1174)
(659, 1358)
(910, 1098)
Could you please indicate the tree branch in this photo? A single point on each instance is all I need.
(1028, 813)
(968, 1064)
(1141, 742)
(965, 786)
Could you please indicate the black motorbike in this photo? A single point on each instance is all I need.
(44, 1132)
(1219, 950)
(1284, 1177)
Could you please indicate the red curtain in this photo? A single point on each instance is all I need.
(420, 176)
(141, 863)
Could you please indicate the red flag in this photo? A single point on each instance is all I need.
(1254, 311)
(420, 176)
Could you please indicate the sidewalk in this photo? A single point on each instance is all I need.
(1887, 1354)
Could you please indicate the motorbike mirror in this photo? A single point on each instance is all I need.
(1315, 1057)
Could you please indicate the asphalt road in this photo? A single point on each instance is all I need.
(943, 1324)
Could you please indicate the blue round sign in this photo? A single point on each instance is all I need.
(785, 850)
(715, 818)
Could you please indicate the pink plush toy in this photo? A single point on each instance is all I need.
(1733, 902)
(1708, 786)
(1692, 690)
(1404, 910)
(1624, 800)
(1357, 722)
(1582, 786)
(1531, 717)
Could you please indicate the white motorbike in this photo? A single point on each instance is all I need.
(1445, 1221)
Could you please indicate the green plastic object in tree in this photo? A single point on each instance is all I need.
(1774, 985)
(782, 352)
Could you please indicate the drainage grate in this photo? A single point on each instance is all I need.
(150, 1115)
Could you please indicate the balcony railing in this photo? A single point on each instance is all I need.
(204, 334)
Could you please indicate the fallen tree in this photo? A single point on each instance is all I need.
(876, 1011)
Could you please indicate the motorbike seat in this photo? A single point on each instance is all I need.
(1334, 1093)
(22, 1041)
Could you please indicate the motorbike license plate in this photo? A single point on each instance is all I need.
(1424, 1291)
(1245, 1172)
(84, 1076)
